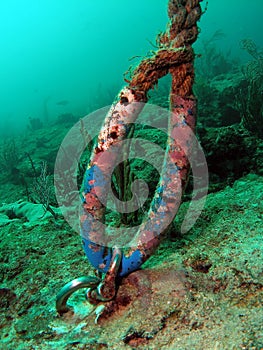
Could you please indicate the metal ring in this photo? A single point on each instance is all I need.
(72, 286)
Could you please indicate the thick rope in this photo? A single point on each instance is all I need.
(175, 56)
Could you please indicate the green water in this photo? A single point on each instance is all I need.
(59, 56)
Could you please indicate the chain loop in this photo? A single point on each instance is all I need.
(106, 289)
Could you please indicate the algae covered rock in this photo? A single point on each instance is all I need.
(30, 213)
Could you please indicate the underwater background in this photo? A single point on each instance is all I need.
(57, 56)
(202, 289)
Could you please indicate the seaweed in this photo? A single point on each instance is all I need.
(9, 161)
(212, 61)
(249, 98)
(42, 186)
